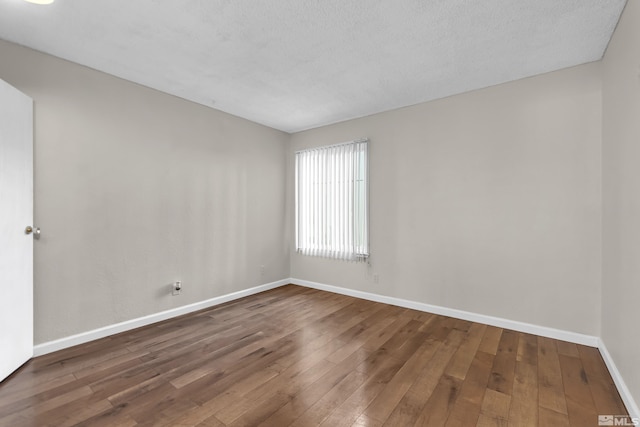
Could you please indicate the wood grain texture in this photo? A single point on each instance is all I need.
(294, 356)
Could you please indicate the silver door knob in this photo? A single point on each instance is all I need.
(35, 231)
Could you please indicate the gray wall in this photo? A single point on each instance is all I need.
(135, 189)
(621, 173)
(488, 201)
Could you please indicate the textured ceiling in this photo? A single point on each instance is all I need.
(299, 64)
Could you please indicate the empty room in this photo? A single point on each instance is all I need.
(335, 213)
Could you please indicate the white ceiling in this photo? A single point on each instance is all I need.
(299, 64)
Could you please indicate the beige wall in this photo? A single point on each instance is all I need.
(135, 189)
(488, 201)
(621, 177)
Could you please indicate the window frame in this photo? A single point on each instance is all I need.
(355, 216)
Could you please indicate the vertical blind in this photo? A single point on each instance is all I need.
(332, 201)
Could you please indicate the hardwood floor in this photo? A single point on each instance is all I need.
(302, 357)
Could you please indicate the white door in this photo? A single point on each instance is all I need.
(16, 213)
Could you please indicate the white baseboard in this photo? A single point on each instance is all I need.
(632, 407)
(627, 398)
(529, 328)
(81, 338)
(84, 337)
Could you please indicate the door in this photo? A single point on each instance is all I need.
(16, 213)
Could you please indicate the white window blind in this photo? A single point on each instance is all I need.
(332, 201)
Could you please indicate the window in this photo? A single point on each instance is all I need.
(332, 206)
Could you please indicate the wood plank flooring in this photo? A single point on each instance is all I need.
(302, 357)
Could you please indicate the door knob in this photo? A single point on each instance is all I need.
(35, 231)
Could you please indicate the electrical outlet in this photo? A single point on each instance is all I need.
(177, 288)
(262, 270)
(376, 278)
